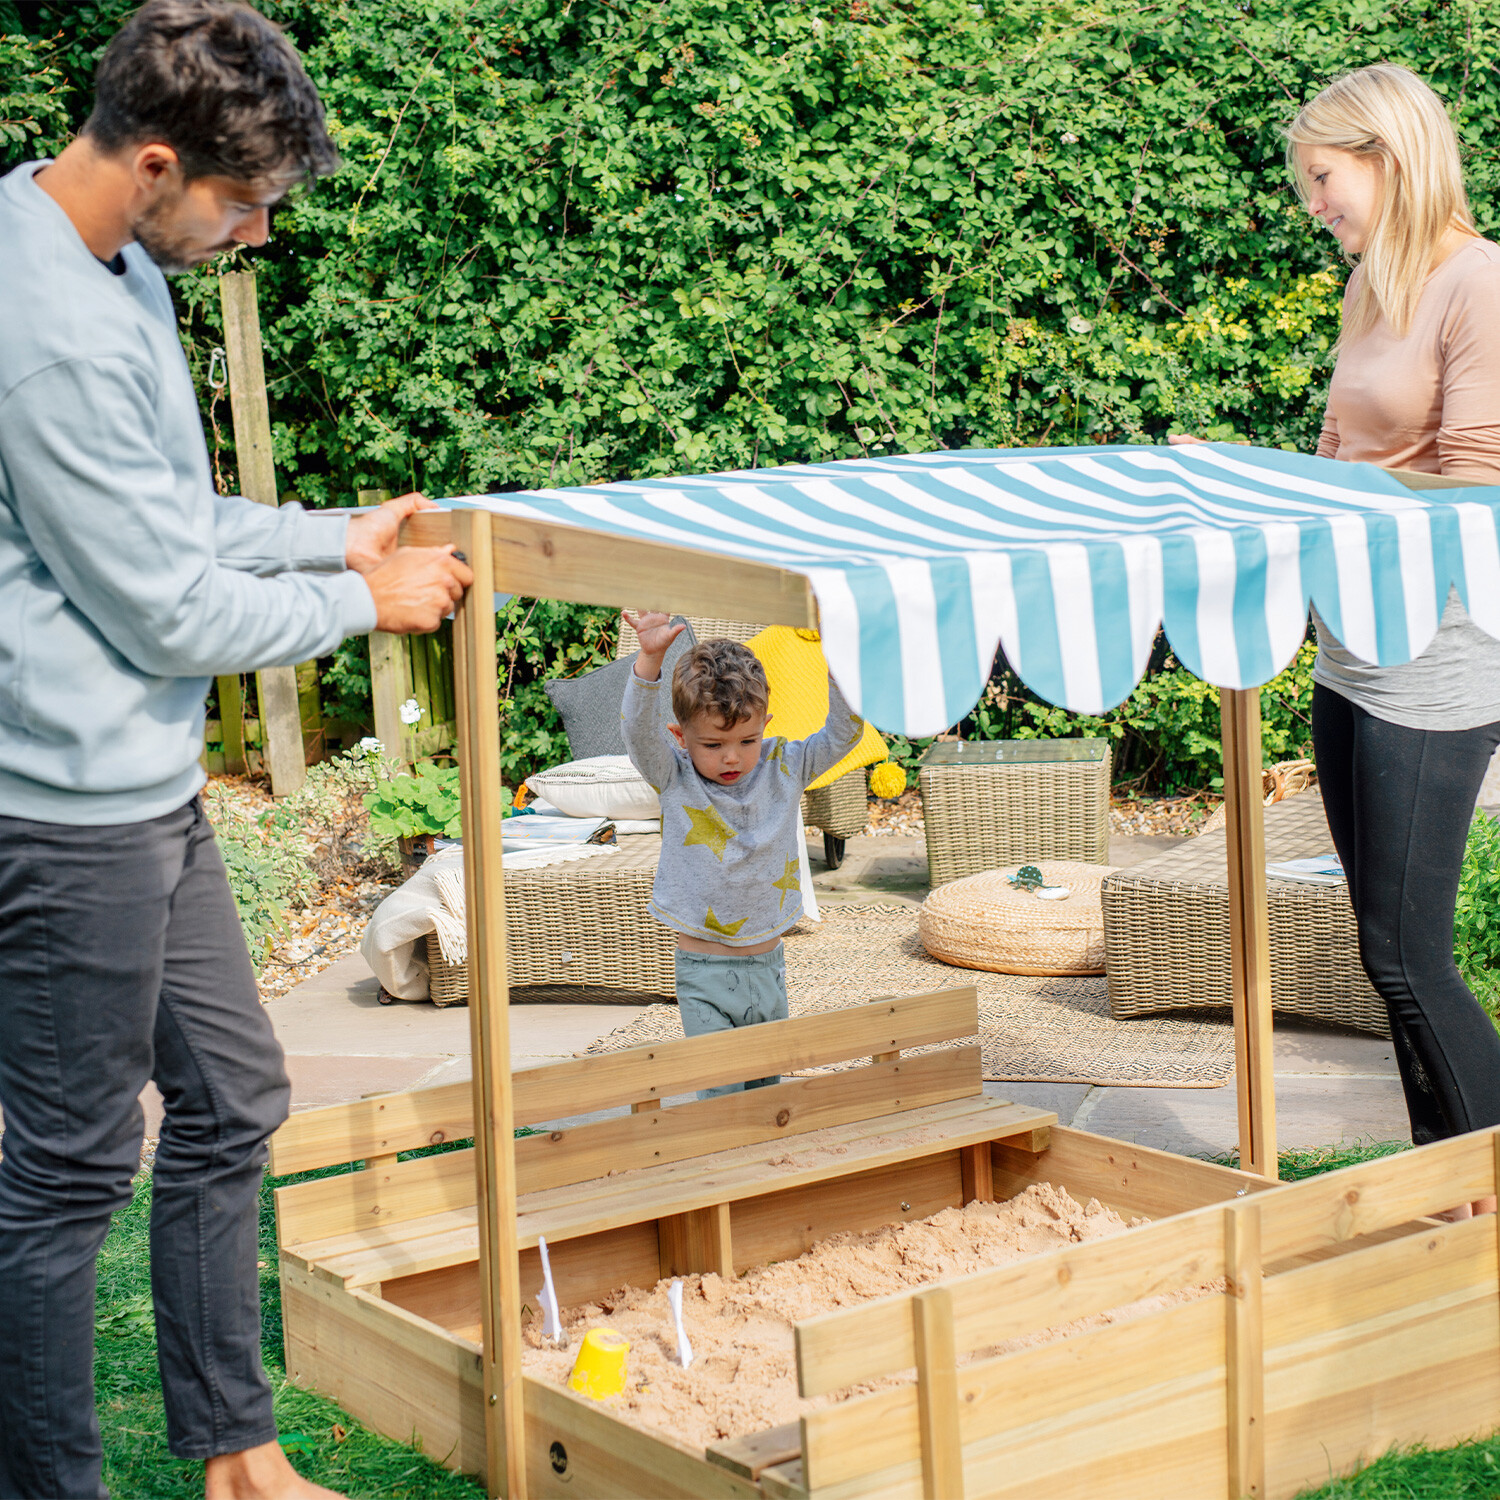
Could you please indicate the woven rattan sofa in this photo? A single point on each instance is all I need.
(586, 923)
(1166, 929)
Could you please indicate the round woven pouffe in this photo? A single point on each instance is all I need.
(984, 922)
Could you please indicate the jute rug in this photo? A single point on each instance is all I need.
(1031, 1030)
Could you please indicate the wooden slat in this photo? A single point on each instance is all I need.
(785, 1224)
(232, 722)
(601, 1455)
(1394, 1343)
(979, 1173)
(550, 561)
(1340, 1206)
(1244, 1357)
(1161, 1374)
(489, 1014)
(751, 1456)
(783, 1111)
(937, 1395)
(1249, 929)
(755, 1170)
(405, 1122)
(412, 1189)
(389, 1368)
(874, 1339)
(408, 1247)
(1131, 1179)
(697, 1243)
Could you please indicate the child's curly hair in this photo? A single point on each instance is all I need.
(722, 678)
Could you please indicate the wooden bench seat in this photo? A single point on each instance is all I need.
(431, 1242)
(668, 1188)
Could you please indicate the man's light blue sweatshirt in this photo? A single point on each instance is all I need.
(126, 583)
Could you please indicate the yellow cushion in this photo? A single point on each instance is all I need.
(797, 673)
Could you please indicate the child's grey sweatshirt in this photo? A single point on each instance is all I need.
(126, 583)
(729, 867)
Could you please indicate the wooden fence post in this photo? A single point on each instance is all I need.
(280, 712)
(389, 673)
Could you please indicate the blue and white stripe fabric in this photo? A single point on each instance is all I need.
(1070, 558)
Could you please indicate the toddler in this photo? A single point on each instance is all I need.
(731, 822)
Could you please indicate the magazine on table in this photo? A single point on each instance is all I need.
(1321, 869)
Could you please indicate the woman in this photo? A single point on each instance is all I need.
(1401, 751)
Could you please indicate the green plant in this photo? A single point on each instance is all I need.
(268, 871)
(1476, 918)
(427, 802)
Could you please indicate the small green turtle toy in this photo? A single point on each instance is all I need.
(1028, 878)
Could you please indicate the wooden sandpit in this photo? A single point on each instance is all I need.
(906, 1178)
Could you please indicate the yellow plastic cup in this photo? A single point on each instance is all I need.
(599, 1370)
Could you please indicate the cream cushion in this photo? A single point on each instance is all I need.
(603, 786)
(984, 922)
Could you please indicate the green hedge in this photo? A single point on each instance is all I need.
(584, 242)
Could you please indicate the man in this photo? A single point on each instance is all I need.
(125, 583)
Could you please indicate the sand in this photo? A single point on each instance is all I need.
(744, 1377)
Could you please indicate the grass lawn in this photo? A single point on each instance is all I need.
(331, 1448)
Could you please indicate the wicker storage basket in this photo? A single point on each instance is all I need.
(582, 923)
(993, 803)
(1166, 929)
(984, 922)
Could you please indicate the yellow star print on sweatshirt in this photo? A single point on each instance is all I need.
(709, 829)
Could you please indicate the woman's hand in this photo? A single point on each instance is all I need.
(1181, 439)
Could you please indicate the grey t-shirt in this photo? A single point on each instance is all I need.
(729, 866)
(1453, 684)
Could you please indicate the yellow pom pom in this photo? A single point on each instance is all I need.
(887, 780)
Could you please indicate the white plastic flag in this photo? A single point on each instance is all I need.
(551, 1320)
(684, 1349)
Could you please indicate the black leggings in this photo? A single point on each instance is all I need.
(1399, 804)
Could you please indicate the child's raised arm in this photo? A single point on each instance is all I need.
(838, 736)
(644, 714)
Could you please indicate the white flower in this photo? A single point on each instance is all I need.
(1080, 325)
(411, 711)
(1069, 139)
(371, 746)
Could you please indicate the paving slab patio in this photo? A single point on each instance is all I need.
(342, 1044)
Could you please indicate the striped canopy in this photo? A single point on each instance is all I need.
(1070, 558)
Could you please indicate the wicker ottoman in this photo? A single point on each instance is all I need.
(993, 803)
(984, 922)
(1166, 929)
(583, 923)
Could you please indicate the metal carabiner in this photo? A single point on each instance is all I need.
(218, 365)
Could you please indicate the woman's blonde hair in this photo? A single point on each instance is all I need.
(1386, 112)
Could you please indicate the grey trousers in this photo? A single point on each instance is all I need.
(716, 991)
(122, 960)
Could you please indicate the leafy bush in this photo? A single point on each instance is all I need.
(1476, 922)
(327, 815)
(589, 241)
(267, 871)
(402, 807)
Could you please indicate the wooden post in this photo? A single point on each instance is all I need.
(1244, 1360)
(280, 714)
(1249, 930)
(937, 1395)
(388, 691)
(489, 1017)
(232, 723)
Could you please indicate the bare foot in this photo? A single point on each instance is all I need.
(262, 1473)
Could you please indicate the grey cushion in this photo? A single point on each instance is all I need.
(590, 705)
